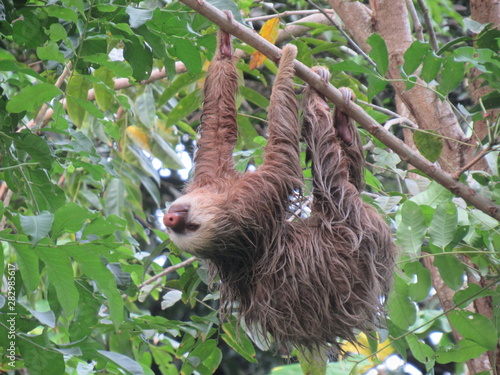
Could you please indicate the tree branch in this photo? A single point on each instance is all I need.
(357, 113)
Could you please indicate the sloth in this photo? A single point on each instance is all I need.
(308, 282)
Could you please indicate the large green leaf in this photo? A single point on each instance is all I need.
(28, 265)
(36, 147)
(379, 53)
(451, 270)
(430, 69)
(444, 224)
(411, 229)
(475, 327)
(451, 75)
(463, 351)
(70, 219)
(186, 106)
(31, 97)
(402, 310)
(254, 97)
(414, 56)
(145, 107)
(89, 258)
(60, 272)
(39, 358)
(78, 88)
(421, 351)
(125, 363)
(188, 53)
(240, 343)
(429, 144)
(37, 226)
(419, 290)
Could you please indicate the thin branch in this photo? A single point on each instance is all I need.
(285, 14)
(167, 270)
(349, 39)
(353, 110)
(469, 165)
(428, 23)
(417, 26)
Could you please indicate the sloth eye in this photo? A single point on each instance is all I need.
(192, 227)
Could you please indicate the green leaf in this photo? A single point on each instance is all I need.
(70, 219)
(254, 97)
(229, 5)
(139, 57)
(419, 290)
(36, 147)
(28, 264)
(402, 310)
(375, 86)
(430, 69)
(463, 351)
(60, 272)
(429, 144)
(475, 327)
(351, 66)
(414, 55)
(78, 88)
(50, 52)
(39, 356)
(313, 362)
(444, 224)
(379, 53)
(433, 195)
(452, 75)
(65, 13)
(186, 106)
(187, 52)
(164, 151)
(31, 97)
(126, 363)
(91, 262)
(411, 229)
(451, 270)
(196, 359)
(170, 298)
(421, 351)
(37, 227)
(180, 82)
(103, 96)
(240, 343)
(145, 107)
(464, 297)
(114, 197)
(138, 16)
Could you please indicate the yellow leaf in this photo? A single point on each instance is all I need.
(138, 136)
(269, 32)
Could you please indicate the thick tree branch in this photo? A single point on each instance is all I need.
(357, 113)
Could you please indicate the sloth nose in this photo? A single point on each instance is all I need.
(175, 218)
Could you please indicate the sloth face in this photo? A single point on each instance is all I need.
(194, 221)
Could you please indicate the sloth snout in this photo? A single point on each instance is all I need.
(176, 216)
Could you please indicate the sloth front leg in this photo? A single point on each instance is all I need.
(218, 129)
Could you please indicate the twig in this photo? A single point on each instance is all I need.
(428, 23)
(167, 270)
(353, 110)
(386, 111)
(469, 165)
(417, 26)
(286, 14)
(349, 39)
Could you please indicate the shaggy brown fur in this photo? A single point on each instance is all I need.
(306, 282)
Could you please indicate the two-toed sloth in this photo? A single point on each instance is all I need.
(309, 281)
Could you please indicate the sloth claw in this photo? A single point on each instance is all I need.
(323, 72)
